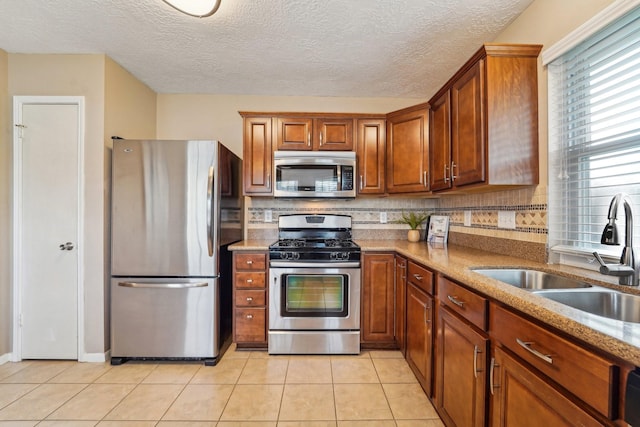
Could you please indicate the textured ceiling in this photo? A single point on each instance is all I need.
(355, 48)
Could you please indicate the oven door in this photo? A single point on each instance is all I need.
(314, 298)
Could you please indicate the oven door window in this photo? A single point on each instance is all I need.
(315, 295)
(318, 178)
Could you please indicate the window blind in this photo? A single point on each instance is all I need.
(594, 137)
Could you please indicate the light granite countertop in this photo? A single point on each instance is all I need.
(620, 339)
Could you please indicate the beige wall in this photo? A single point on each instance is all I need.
(216, 116)
(129, 112)
(5, 208)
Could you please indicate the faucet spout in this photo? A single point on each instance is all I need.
(629, 268)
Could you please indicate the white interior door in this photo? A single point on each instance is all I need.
(47, 231)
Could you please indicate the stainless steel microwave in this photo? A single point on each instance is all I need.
(314, 174)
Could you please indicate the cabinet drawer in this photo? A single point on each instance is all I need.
(421, 277)
(587, 375)
(250, 280)
(251, 324)
(466, 303)
(250, 261)
(253, 298)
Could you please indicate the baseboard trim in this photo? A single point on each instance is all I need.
(5, 358)
(95, 357)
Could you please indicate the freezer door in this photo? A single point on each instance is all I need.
(164, 319)
(164, 208)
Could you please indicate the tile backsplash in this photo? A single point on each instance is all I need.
(529, 205)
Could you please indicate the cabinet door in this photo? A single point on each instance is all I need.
(461, 371)
(440, 143)
(370, 156)
(377, 298)
(294, 133)
(468, 127)
(420, 335)
(334, 134)
(520, 398)
(401, 302)
(407, 152)
(257, 162)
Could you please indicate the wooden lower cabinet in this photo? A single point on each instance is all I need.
(461, 374)
(520, 398)
(401, 303)
(419, 353)
(378, 301)
(250, 299)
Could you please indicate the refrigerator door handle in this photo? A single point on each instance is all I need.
(163, 285)
(210, 211)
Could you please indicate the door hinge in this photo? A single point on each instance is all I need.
(21, 129)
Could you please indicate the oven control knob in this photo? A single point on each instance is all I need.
(339, 256)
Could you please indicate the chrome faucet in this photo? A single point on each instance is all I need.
(629, 268)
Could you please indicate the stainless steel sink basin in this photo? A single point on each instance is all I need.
(611, 304)
(531, 279)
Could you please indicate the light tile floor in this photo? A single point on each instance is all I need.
(248, 389)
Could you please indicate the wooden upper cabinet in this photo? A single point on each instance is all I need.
(257, 163)
(491, 108)
(467, 132)
(306, 133)
(407, 150)
(333, 134)
(370, 156)
(440, 142)
(294, 133)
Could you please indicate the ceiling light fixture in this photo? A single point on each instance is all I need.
(197, 8)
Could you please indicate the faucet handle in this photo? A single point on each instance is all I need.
(620, 270)
(599, 259)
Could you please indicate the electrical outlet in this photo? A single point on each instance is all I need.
(467, 218)
(383, 217)
(507, 219)
(268, 215)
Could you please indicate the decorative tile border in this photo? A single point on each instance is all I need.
(529, 205)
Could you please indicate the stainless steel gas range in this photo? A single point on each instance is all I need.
(314, 286)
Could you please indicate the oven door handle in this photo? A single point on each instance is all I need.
(296, 264)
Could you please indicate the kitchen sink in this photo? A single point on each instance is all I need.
(531, 279)
(610, 304)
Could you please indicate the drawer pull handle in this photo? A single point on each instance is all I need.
(492, 385)
(417, 277)
(527, 346)
(249, 280)
(249, 262)
(455, 301)
(249, 299)
(476, 350)
(249, 316)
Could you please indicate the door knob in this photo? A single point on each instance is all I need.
(66, 246)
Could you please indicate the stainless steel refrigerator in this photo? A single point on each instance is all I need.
(176, 207)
